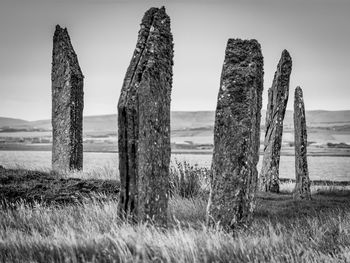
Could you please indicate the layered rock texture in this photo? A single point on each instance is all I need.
(302, 184)
(144, 122)
(67, 105)
(276, 108)
(236, 135)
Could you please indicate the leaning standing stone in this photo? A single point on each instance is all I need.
(144, 122)
(67, 105)
(302, 186)
(276, 109)
(236, 135)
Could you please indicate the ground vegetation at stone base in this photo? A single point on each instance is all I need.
(18, 185)
(283, 230)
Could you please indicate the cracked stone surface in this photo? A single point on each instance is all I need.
(236, 135)
(302, 180)
(67, 105)
(276, 109)
(144, 122)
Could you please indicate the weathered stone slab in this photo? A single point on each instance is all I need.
(144, 122)
(302, 184)
(276, 109)
(67, 105)
(236, 135)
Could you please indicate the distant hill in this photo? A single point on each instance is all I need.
(11, 122)
(182, 120)
(318, 118)
(91, 123)
(192, 119)
(179, 120)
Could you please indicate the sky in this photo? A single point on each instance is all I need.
(104, 34)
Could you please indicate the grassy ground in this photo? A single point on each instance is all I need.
(90, 230)
(17, 185)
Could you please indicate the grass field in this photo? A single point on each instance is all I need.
(101, 164)
(90, 230)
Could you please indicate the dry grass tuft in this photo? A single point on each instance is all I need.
(284, 230)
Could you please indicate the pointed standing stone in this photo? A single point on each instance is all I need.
(276, 109)
(236, 135)
(144, 122)
(67, 105)
(302, 186)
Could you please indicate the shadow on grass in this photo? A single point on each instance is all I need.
(17, 185)
(282, 207)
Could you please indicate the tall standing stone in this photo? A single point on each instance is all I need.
(144, 122)
(302, 186)
(67, 105)
(276, 109)
(236, 135)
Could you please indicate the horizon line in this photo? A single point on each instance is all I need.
(110, 114)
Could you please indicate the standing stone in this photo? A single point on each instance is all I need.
(67, 105)
(276, 109)
(144, 122)
(236, 135)
(302, 186)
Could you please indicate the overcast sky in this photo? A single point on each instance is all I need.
(104, 33)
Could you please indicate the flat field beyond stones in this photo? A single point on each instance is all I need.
(86, 228)
(335, 168)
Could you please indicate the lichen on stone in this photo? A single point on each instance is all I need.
(144, 122)
(236, 135)
(67, 105)
(277, 102)
(302, 180)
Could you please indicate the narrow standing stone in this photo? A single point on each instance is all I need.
(236, 135)
(67, 105)
(302, 186)
(276, 109)
(144, 122)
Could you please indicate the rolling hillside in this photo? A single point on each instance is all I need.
(187, 120)
(11, 122)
